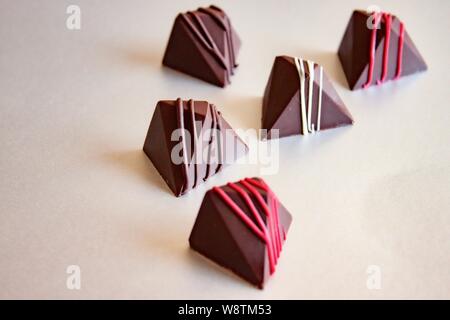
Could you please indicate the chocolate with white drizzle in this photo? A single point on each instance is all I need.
(299, 99)
(209, 134)
(307, 126)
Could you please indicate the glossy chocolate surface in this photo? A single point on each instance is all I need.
(354, 51)
(282, 102)
(216, 145)
(203, 44)
(222, 236)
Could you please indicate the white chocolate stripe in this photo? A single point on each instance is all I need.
(310, 93)
(307, 126)
(319, 104)
(301, 75)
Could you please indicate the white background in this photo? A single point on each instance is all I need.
(75, 187)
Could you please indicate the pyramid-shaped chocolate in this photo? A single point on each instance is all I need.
(376, 48)
(204, 45)
(242, 226)
(189, 141)
(300, 99)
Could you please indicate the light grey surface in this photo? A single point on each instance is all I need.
(76, 189)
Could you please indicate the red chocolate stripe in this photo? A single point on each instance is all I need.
(400, 50)
(388, 19)
(376, 18)
(263, 228)
(238, 211)
(385, 63)
(271, 198)
(268, 232)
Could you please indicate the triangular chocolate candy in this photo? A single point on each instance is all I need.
(300, 99)
(204, 45)
(242, 226)
(376, 48)
(189, 141)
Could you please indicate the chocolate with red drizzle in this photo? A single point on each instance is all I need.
(209, 134)
(242, 226)
(376, 48)
(203, 44)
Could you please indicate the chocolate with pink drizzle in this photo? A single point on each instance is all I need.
(387, 18)
(376, 48)
(242, 226)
